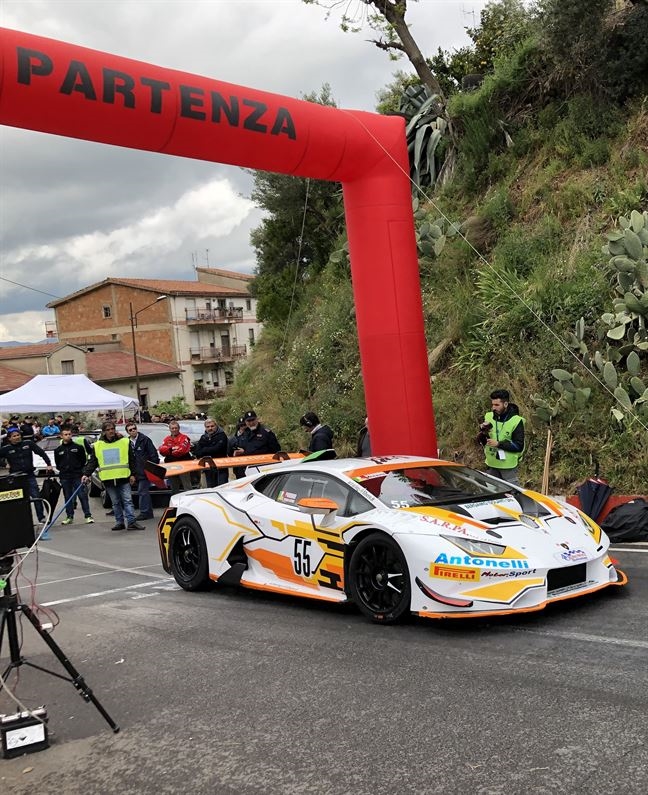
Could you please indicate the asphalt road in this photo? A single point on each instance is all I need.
(234, 692)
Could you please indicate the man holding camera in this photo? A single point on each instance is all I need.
(502, 436)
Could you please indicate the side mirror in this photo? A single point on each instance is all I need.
(315, 505)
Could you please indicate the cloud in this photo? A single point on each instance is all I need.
(24, 326)
(200, 217)
(73, 212)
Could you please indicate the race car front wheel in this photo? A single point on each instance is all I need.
(379, 581)
(188, 555)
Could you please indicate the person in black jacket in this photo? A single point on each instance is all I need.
(364, 442)
(233, 443)
(19, 456)
(213, 443)
(321, 436)
(143, 450)
(70, 459)
(26, 428)
(255, 439)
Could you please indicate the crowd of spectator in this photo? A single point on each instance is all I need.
(119, 458)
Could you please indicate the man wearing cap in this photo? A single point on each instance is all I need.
(19, 455)
(113, 456)
(255, 439)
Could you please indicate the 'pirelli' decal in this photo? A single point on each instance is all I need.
(453, 572)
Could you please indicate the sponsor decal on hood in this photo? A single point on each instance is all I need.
(493, 563)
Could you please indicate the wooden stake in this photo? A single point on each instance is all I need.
(547, 462)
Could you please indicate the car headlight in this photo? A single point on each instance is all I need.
(593, 529)
(473, 547)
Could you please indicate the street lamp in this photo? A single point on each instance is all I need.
(133, 323)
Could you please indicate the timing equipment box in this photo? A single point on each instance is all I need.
(16, 523)
(24, 733)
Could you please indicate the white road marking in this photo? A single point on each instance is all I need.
(106, 593)
(94, 574)
(636, 644)
(91, 562)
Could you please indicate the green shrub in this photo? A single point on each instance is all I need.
(498, 209)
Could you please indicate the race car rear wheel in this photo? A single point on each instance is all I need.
(188, 555)
(379, 581)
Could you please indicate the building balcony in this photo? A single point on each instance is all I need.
(218, 354)
(207, 317)
(204, 395)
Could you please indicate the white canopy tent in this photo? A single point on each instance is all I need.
(63, 393)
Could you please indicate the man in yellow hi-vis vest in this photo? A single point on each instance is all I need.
(502, 436)
(113, 457)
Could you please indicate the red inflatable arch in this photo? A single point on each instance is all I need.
(53, 87)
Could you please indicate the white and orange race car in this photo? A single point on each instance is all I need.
(394, 535)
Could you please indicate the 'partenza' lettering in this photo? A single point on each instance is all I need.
(121, 87)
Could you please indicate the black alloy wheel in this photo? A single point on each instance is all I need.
(188, 555)
(379, 580)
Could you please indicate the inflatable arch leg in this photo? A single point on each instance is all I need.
(54, 87)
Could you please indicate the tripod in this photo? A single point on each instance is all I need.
(10, 607)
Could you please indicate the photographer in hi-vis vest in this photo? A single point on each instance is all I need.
(502, 436)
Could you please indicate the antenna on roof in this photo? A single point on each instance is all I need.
(468, 14)
(207, 256)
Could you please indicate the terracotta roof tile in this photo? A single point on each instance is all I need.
(180, 287)
(159, 286)
(26, 351)
(12, 379)
(113, 365)
(247, 277)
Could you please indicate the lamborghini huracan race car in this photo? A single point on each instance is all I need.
(394, 535)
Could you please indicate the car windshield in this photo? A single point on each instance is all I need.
(49, 443)
(452, 487)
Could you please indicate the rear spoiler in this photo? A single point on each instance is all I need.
(206, 462)
(299, 458)
(248, 461)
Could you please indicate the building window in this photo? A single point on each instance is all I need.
(229, 377)
(107, 311)
(67, 367)
(251, 336)
(248, 304)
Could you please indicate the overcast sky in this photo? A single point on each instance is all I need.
(74, 212)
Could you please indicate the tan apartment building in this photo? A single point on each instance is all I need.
(201, 329)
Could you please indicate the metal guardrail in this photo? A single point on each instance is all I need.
(214, 315)
(219, 354)
(202, 393)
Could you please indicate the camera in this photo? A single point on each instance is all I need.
(485, 426)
